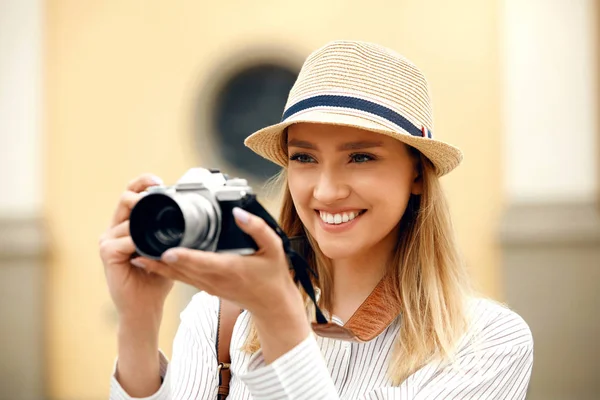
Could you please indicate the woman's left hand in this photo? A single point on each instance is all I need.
(257, 283)
(260, 283)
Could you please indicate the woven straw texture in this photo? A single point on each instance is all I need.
(364, 71)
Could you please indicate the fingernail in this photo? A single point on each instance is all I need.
(241, 215)
(169, 257)
(157, 180)
(138, 263)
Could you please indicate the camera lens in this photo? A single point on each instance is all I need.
(160, 221)
(156, 224)
(169, 227)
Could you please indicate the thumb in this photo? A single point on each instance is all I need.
(266, 238)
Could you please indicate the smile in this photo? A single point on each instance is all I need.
(339, 218)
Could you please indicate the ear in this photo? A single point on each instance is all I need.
(416, 186)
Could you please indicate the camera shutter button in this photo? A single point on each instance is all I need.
(237, 182)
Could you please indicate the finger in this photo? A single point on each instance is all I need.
(158, 267)
(119, 249)
(131, 196)
(142, 182)
(184, 258)
(199, 268)
(118, 231)
(126, 203)
(265, 237)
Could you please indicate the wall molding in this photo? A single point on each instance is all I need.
(551, 269)
(22, 238)
(23, 252)
(544, 224)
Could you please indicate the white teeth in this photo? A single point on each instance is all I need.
(337, 218)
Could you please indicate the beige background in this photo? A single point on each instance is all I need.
(122, 78)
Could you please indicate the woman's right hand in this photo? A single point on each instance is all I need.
(139, 297)
(136, 293)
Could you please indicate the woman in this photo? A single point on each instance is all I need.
(360, 182)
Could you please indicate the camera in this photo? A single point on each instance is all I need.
(195, 213)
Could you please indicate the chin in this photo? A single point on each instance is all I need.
(337, 249)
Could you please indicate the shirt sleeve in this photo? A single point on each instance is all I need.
(301, 373)
(118, 393)
(192, 372)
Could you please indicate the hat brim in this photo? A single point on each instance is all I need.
(266, 142)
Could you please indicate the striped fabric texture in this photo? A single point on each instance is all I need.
(494, 362)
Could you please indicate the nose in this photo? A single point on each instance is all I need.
(330, 188)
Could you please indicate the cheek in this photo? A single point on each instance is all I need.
(300, 189)
(388, 195)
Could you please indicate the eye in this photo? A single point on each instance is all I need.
(360, 158)
(302, 158)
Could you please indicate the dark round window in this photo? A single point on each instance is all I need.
(250, 100)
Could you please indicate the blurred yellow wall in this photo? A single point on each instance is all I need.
(121, 79)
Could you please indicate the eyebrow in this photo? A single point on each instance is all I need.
(363, 144)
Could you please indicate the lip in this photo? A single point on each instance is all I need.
(338, 210)
(336, 228)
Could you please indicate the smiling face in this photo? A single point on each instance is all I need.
(350, 187)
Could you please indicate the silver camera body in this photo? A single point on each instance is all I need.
(195, 212)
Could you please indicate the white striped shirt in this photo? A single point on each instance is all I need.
(494, 361)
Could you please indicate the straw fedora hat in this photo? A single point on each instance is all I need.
(362, 85)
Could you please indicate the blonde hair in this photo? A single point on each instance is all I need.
(431, 283)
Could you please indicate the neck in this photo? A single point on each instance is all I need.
(354, 278)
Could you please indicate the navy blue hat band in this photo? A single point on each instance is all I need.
(357, 104)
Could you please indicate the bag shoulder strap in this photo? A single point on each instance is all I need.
(228, 314)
